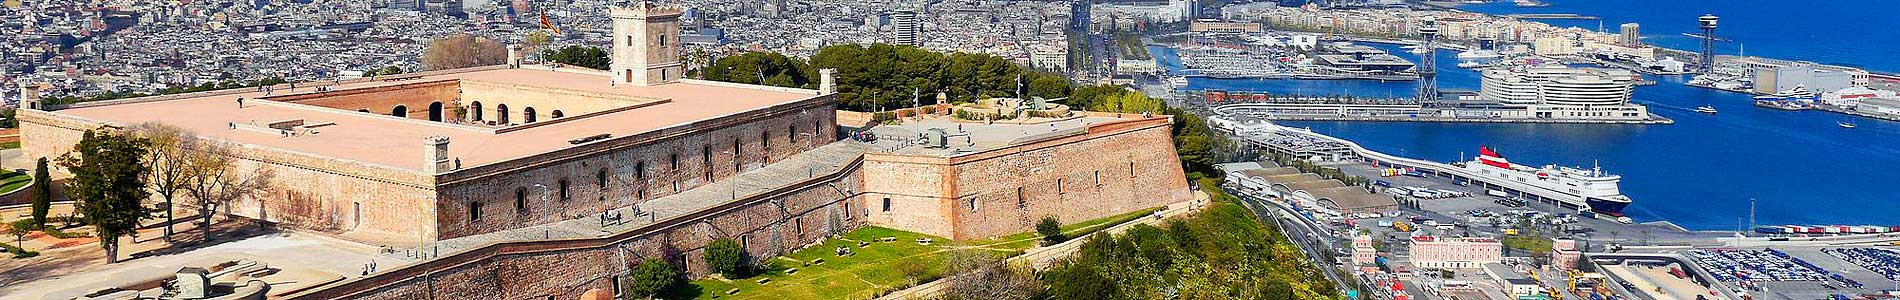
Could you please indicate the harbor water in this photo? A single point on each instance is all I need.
(1698, 173)
(1856, 33)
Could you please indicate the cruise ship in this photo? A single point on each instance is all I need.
(1575, 187)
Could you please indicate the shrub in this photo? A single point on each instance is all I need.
(651, 277)
(18, 252)
(880, 117)
(726, 257)
(1051, 230)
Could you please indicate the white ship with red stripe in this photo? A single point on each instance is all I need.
(1575, 187)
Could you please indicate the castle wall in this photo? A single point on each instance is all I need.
(1114, 168)
(545, 101)
(416, 98)
(303, 191)
(564, 269)
(637, 168)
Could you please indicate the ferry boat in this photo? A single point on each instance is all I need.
(1705, 109)
(1591, 189)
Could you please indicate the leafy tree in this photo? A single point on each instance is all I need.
(768, 68)
(109, 184)
(42, 193)
(726, 257)
(535, 40)
(585, 57)
(1051, 230)
(19, 229)
(1218, 253)
(170, 160)
(463, 51)
(1076, 282)
(9, 118)
(215, 180)
(649, 278)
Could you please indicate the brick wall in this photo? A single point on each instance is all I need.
(416, 98)
(490, 97)
(637, 168)
(567, 268)
(1114, 168)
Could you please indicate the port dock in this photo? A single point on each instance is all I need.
(1344, 150)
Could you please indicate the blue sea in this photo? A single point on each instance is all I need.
(1700, 173)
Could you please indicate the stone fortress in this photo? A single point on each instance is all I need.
(537, 181)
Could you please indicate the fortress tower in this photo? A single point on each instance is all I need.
(646, 47)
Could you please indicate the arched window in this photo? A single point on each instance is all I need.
(400, 111)
(736, 146)
(673, 162)
(501, 113)
(475, 107)
(557, 114)
(527, 115)
(363, 110)
(563, 191)
(791, 133)
(435, 111)
(705, 154)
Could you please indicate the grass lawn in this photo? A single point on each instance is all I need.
(11, 181)
(873, 269)
(1029, 239)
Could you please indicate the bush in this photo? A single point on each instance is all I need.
(18, 252)
(725, 257)
(1051, 230)
(651, 277)
(880, 117)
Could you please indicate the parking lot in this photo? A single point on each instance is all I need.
(1602, 233)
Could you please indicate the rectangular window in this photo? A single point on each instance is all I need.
(629, 41)
(474, 211)
(1022, 201)
(662, 40)
(887, 204)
